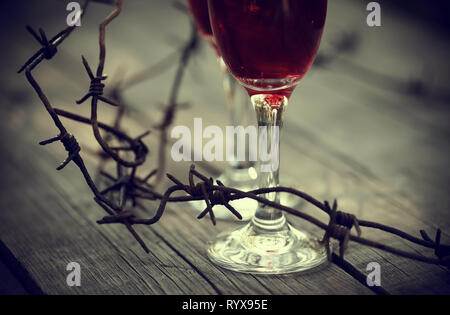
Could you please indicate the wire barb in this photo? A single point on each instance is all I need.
(48, 50)
(96, 87)
(70, 144)
(336, 231)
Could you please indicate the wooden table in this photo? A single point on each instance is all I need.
(352, 133)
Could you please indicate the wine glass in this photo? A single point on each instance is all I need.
(268, 45)
(239, 174)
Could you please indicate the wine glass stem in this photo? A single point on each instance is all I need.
(270, 123)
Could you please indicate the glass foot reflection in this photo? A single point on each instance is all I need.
(248, 250)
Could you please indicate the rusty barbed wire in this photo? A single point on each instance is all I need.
(131, 187)
(49, 47)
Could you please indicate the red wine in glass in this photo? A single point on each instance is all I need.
(268, 44)
(199, 10)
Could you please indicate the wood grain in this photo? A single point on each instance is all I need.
(60, 228)
(381, 152)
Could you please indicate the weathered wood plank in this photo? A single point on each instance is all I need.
(193, 245)
(329, 171)
(177, 263)
(56, 229)
(381, 153)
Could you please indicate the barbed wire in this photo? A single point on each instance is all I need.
(128, 185)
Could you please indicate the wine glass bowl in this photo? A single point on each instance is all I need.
(199, 11)
(268, 45)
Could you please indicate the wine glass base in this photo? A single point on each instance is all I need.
(248, 250)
